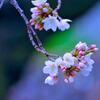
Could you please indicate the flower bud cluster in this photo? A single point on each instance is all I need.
(70, 64)
(44, 17)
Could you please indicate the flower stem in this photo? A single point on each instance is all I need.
(58, 6)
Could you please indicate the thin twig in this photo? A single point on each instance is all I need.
(38, 46)
(16, 5)
(58, 6)
(1, 3)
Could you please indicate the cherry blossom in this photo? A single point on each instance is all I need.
(44, 17)
(63, 24)
(51, 80)
(50, 22)
(50, 68)
(77, 61)
(88, 65)
(68, 59)
(38, 2)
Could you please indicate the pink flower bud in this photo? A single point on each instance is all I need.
(47, 4)
(96, 49)
(45, 10)
(40, 7)
(81, 53)
(93, 46)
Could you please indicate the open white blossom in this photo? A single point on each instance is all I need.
(50, 80)
(88, 65)
(50, 68)
(68, 59)
(51, 22)
(38, 2)
(81, 46)
(63, 24)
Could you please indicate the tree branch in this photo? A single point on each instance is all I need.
(58, 6)
(38, 46)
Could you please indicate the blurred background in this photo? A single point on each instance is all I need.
(21, 76)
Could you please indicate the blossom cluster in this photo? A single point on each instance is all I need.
(78, 60)
(44, 17)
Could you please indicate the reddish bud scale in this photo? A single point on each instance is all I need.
(77, 69)
(81, 53)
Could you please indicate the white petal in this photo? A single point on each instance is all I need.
(38, 2)
(49, 63)
(88, 56)
(33, 16)
(54, 27)
(49, 80)
(71, 79)
(92, 61)
(69, 59)
(89, 61)
(47, 26)
(66, 64)
(33, 10)
(46, 70)
(58, 61)
(50, 68)
(54, 71)
(66, 80)
(85, 72)
(50, 23)
(67, 55)
(63, 24)
(89, 68)
(81, 65)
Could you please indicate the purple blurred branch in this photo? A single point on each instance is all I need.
(1, 3)
(37, 45)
